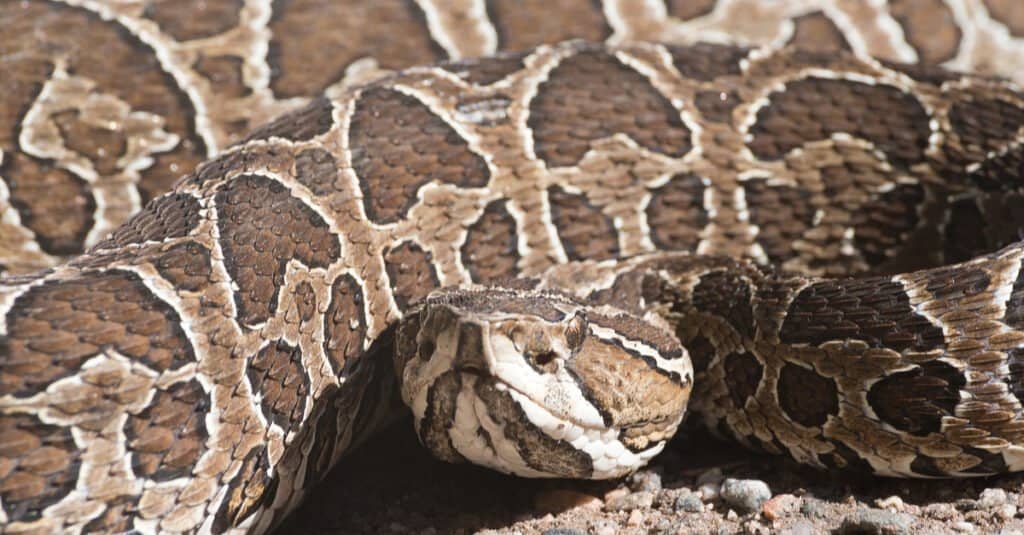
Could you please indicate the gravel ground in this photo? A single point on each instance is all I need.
(698, 485)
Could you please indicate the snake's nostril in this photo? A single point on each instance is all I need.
(426, 350)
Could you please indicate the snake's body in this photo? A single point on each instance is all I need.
(202, 366)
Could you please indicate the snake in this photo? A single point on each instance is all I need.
(237, 244)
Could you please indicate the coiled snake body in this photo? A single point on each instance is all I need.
(544, 253)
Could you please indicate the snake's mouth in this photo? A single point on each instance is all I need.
(520, 397)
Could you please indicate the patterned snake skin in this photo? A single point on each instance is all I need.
(208, 360)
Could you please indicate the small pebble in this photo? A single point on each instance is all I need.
(866, 520)
(800, 527)
(615, 494)
(645, 481)
(1006, 511)
(631, 502)
(963, 527)
(635, 518)
(711, 476)
(966, 504)
(709, 491)
(991, 498)
(688, 502)
(606, 528)
(892, 502)
(731, 515)
(813, 507)
(940, 511)
(745, 495)
(780, 506)
(558, 500)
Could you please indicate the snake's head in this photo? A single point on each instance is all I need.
(537, 384)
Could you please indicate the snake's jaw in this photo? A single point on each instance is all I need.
(535, 388)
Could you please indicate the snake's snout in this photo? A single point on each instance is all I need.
(539, 384)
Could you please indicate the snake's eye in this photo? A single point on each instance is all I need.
(576, 331)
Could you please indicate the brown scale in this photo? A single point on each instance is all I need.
(930, 28)
(815, 108)
(398, 37)
(170, 216)
(398, 145)
(262, 227)
(83, 316)
(915, 401)
(186, 266)
(490, 251)
(816, 30)
(39, 465)
(676, 213)
(166, 439)
(727, 296)
(591, 96)
(279, 381)
(317, 170)
(527, 23)
(344, 324)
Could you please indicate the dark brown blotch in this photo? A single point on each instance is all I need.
(881, 225)
(586, 233)
(728, 296)
(278, 379)
(411, 272)
(591, 96)
(525, 24)
(39, 465)
(344, 323)
(171, 216)
(807, 397)
(816, 31)
(915, 401)
(399, 145)
(262, 227)
(491, 249)
(676, 213)
(875, 310)
(167, 438)
(707, 61)
(317, 170)
(186, 266)
(782, 213)
(743, 374)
